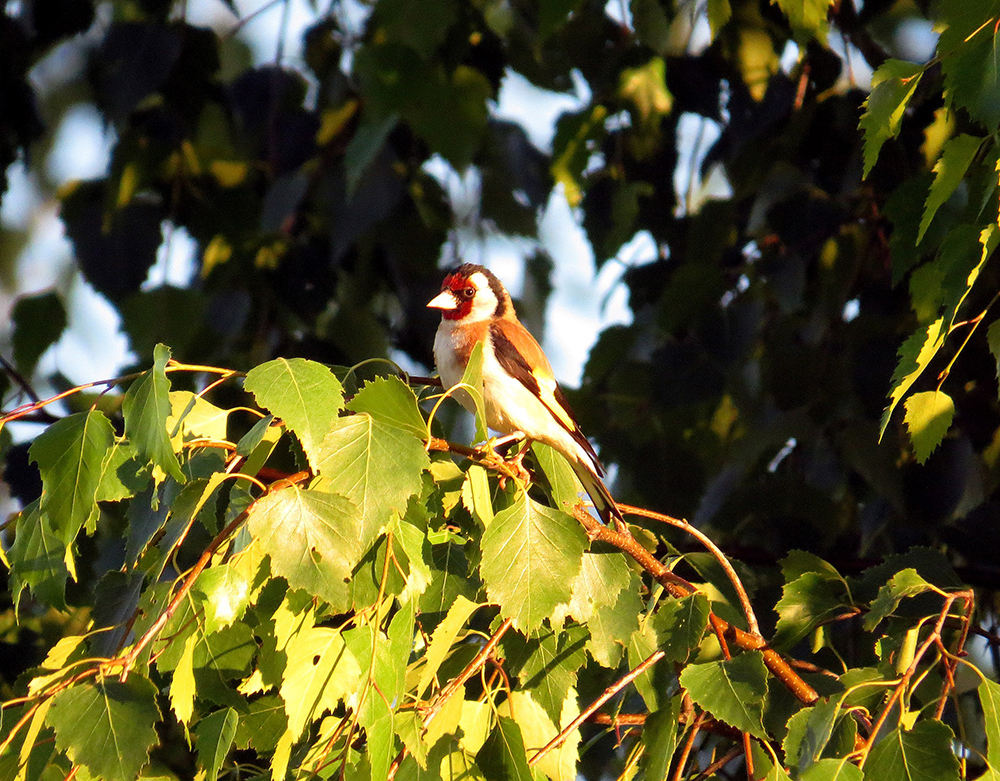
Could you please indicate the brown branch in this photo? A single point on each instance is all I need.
(128, 660)
(470, 669)
(610, 692)
(719, 556)
(678, 587)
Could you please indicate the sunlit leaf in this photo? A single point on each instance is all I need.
(70, 455)
(304, 394)
(905, 583)
(732, 690)
(928, 418)
(312, 539)
(893, 84)
(147, 408)
(376, 465)
(215, 734)
(531, 554)
(502, 756)
(949, 170)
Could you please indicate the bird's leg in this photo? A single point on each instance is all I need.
(493, 445)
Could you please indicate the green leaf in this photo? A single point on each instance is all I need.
(993, 339)
(645, 87)
(262, 725)
(833, 770)
(70, 456)
(928, 418)
(423, 25)
(146, 409)
(577, 135)
(215, 734)
(38, 560)
(970, 49)
(809, 731)
(680, 624)
(659, 739)
(444, 636)
(893, 84)
(989, 697)
(732, 690)
(807, 18)
(602, 577)
(924, 753)
(107, 726)
(610, 623)
(949, 171)
(914, 356)
(502, 756)
(906, 583)
(650, 684)
(304, 394)
(389, 400)
(564, 484)
(312, 539)
(377, 466)
(38, 322)
(547, 664)
(805, 603)
(320, 670)
(122, 474)
(364, 147)
(531, 554)
(553, 14)
(224, 592)
(719, 13)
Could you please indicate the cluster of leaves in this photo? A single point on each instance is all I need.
(385, 612)
(947, 222)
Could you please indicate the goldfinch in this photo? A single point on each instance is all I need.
(521, 393)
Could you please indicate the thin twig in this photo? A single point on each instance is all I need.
(720, 557)
(434, 707)
(610, 692)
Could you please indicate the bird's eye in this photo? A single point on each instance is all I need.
(468, 292)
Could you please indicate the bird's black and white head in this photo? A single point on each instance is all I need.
(470, 294)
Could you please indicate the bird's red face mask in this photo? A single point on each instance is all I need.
(455, 298)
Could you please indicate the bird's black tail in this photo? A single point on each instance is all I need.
(599, 493)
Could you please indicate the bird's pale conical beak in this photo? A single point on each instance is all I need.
(443, 300)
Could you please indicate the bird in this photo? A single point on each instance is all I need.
(521, 395)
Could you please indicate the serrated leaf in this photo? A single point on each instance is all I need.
(320, 669)
(833, 770)
(893, 84)
(304, 394)
(805, 603)
(531, 554)
(659, 739)
(107, 726)
(602, 577)
(215, 734)
(809, 731)
(191, 416)
(924, 753)
(928, 418)
(262, 725)
(547, 664)
(312, 539)
(390, 400)
(377, 466)
(146, 408)
(70, 456)
(182, 684)
(564, 484)
(122, 475)
(914, 356)
(38, 560)
(971, 62)
(502, 756)
(989, 697)
(680, 624)
(949, 170)
(610, 624)
(732, 690)
(906, 583)
(38, 322)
